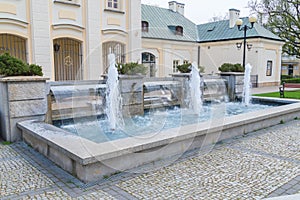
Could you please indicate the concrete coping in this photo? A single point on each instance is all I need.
(23, 79)
(87, 152)
(76, 88)
(232, 73)
(158, 83)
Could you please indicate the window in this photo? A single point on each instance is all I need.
(185, 62)
(269, 68)
(113, 4)
(175, 64)
(145, 26)
(179, 30)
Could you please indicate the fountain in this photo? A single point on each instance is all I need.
(113, 97)
(156, 135)
(195, 104)
(247, 85)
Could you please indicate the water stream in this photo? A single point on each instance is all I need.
(247, 85)
(113, 97)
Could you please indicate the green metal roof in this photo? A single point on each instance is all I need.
(218, 31)
(162, 23)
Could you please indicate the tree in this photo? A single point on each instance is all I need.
(282, 17)
(220, 17)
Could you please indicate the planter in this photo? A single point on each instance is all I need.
(131, 89)
(235, 84)
(21, 98)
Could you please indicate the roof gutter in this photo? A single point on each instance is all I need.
(254, 37)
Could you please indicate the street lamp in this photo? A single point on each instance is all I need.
(245, 28)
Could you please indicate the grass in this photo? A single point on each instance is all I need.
(6, 143)
(287, 94)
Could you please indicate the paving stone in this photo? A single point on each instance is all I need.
(229, 170)
(252, 167)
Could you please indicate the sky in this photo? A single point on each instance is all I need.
(201, 11)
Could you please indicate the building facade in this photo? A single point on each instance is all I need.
(290, 66)
(72, 38)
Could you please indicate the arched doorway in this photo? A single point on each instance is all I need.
(116, 48)
(67, 59)
(148, 60)
(14, 45)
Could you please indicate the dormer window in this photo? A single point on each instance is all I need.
(179, 30)
(145, 26)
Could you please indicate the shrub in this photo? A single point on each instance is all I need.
(291, 80)
(11, 66)
(184, 68)
(286, 76)
(201, 69)
(228, 67)
(35, 70)
(132, 68)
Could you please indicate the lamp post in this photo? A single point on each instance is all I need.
(245, 28)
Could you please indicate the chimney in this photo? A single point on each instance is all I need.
(234, 15)
(173, 6)
(180, 8)
(176, 7)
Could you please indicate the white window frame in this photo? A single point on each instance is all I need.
(113, 3)
(175, 64)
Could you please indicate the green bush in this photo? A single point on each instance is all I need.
(201, 69)
(291, 80)
(11, 66)
(184, 68)
(286, 76)
(132, 68)
(35, 70)
(228, 67)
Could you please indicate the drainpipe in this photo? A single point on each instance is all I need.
(198, 56)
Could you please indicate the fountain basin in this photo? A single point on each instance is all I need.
(90, 161)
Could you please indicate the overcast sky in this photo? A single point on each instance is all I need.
(201, 11)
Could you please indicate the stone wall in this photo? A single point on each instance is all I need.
(22, 98)
(131, 89)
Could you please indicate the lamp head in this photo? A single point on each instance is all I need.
(239, 23)
(239, 45)
(252, 20)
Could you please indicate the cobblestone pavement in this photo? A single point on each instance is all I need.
(262, 164)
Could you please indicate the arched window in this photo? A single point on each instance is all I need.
(179, 30)
(148, 60)
(14, 45)
(145, 26)
(115, 47)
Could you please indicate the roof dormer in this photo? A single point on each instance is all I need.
(145, 26)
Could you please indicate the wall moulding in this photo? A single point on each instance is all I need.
(15, 22)
(8, 8)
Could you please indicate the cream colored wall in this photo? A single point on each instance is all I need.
(166, 51)
(67, 13)
(134, 30)
(214, 54)
(13, 10)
